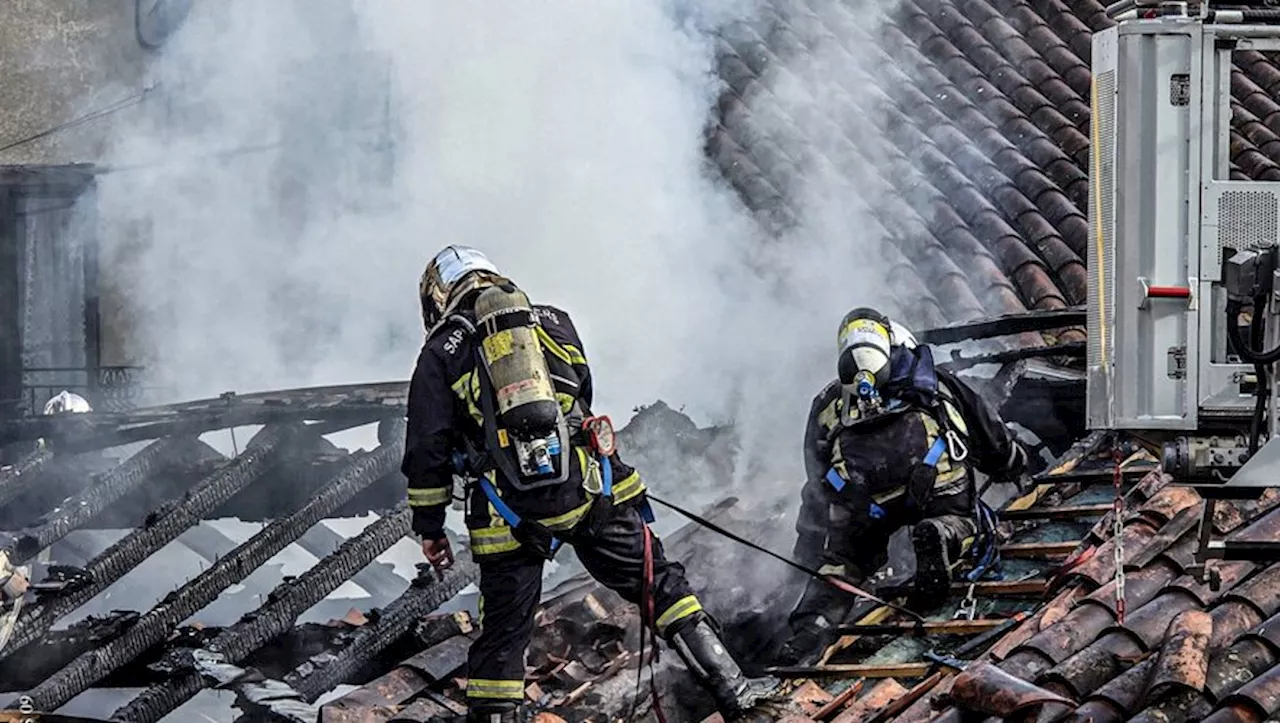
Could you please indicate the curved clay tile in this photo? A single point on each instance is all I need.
(1068, 26)
(1252, 129)
(1259, 69)
(1091, 13)
(1261, 592)
(1183, 661)
(985, 688)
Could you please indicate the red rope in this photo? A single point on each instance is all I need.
(646, 597)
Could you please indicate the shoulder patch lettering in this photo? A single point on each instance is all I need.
(455, 339)
(549, 314)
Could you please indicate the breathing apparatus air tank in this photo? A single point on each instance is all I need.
(513, 357)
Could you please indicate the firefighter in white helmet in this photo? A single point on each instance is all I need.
(891, 442)
(502, 396)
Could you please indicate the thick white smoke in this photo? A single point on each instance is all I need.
(299, 162)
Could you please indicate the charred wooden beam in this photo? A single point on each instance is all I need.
(1006, 325)
(856, 670)
(162, 527)
(285, 604)
(16, 479)
(326, 672)
(83, 507)
(56, 649)
(1039, 550)
(96, 430)
(390, 692)
(1056, 513)
(292, 698)
(179, 605)
(59, 647)
(1004, 588)
(943, 627)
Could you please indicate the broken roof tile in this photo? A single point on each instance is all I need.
(985, 688)
(1183, 660)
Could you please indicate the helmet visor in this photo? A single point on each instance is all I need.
(455, 262)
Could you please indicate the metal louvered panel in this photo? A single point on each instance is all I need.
(1247, 219)
(1101, 256)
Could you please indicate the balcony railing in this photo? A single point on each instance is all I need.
(107, 388)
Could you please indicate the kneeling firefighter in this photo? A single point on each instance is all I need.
(890, 443)
(502, 396)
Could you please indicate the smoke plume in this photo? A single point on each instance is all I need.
(299, 162)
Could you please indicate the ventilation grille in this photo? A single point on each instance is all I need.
(1247, 219)
(1102, 219)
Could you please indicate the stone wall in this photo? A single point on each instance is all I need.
(61, 59)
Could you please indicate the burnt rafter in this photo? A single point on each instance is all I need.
(16, 479)
(315, 678)
(97, 430)
(162, 527)
(292, 698)
(275, 618)
(363, 470)
(1006, 325)
(97, 497)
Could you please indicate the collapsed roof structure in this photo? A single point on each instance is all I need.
(983, 110)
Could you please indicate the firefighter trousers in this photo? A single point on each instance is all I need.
(511, 586)
(857, 546)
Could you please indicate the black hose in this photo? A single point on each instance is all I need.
(1263, 392)
(1246, 351)
(1260, 361)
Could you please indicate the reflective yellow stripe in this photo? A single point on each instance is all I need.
(492, 540)
(683, 608)
(957, 419)
(889, 494)
(575, 355)
(831, 570)
(499, 689)
(568, 353)
(469, 396)
(829, 416)
(627, 488)
(560, 523)
(428, 496)
(566, 401)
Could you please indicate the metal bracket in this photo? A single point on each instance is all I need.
(1151, 291)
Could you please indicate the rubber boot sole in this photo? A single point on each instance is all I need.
(933, 575)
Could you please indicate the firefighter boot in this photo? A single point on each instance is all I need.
(937, 544)
(503, 712)
(699, 646)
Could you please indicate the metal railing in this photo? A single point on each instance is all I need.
(107, 388)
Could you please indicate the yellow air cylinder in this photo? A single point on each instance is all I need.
(513, 357)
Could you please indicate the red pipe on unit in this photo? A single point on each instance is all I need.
(1168, 292)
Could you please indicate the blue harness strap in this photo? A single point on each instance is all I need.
(835, 480)
(606, 475)
(935, 452)
(505, 511)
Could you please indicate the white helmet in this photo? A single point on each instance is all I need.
(65, 401)
(450, 274)
(901, 335)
